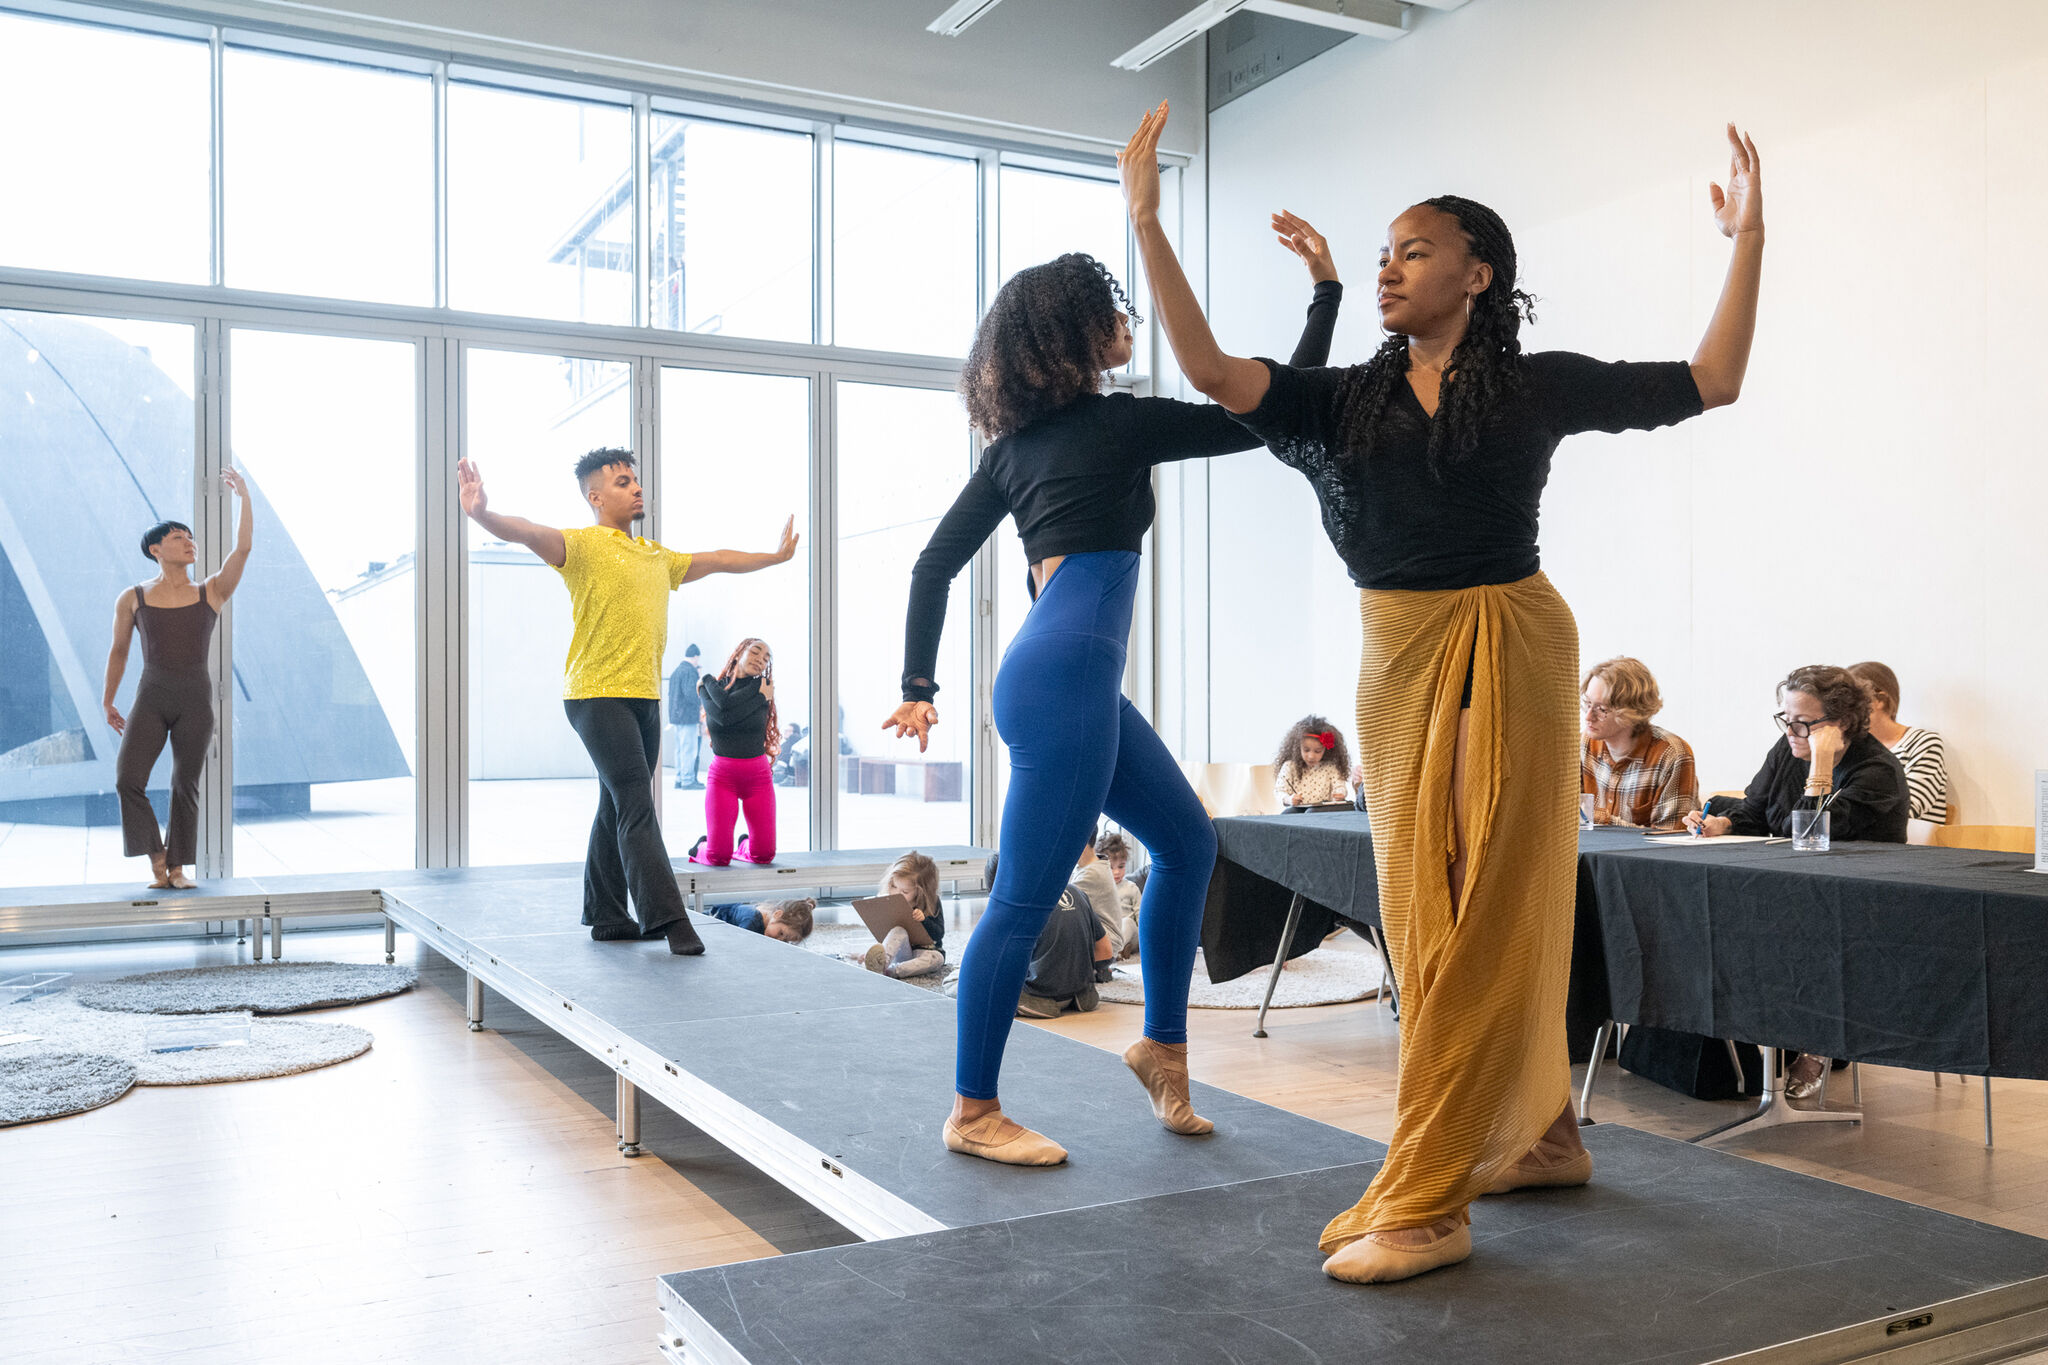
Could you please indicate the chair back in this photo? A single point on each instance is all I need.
(1233, 788)
(1989, 838)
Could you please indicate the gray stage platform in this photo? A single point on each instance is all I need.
(1675, 1254)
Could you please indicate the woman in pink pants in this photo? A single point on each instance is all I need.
(745, 735)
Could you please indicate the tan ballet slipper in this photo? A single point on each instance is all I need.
(1546, 1166)
(1164, 1074)
(979, 1137)
(1372, 1259)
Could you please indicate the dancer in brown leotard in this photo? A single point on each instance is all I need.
(174, 700)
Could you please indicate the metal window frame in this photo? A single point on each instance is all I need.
(443, 337)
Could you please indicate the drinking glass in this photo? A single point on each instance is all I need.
(1809, 831)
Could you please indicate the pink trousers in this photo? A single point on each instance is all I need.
(733, 786)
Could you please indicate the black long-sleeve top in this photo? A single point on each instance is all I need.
(1870, 800)
(1397, 523)
(736, 717)
(1078, 481)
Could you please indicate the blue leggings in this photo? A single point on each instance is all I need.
(1079, 750)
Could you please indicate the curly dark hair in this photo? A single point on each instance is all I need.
(1336, 751)
(1483, 369)
(1041, 345)
(1843, 697)
(604, 457)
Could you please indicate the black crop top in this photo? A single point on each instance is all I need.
(1078, 480)
(1397, 524)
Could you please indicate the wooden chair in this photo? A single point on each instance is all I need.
(1990, 838)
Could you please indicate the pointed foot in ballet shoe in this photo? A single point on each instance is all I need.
(1370, 1260)
(1532, 1172)
(1164, 1075)
(980, 1137)
(683, 940)
(615, 933)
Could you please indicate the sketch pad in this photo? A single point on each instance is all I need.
(883, 913)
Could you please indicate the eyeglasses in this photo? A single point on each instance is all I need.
(1798, 729)
(1594, 710)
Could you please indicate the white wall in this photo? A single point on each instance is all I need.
(1894, 380)
(1030, 64)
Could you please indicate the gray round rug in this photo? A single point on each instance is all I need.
(276, 1047)
(270, 988)
(1327, 976)
(49, 1085)
(850, 943)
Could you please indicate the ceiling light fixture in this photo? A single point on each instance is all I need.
(1374, 18)
(956, 19)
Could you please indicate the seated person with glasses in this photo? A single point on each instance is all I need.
(1827, 754)
(1637, 773)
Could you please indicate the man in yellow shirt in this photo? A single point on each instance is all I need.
(618, 594)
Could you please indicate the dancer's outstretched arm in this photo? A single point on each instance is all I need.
(743, 561)
(1723, 357)
(545, 541)
(1234, 381)
(221, 586)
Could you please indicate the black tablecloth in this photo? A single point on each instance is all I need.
(1905, 955)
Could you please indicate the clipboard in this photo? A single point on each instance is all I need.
(883, 913)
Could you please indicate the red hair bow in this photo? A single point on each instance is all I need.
(1326, 738)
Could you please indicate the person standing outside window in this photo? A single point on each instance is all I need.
(685, 715)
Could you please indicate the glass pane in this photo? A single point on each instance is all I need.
(95, 417)
(711, 500)
(1044, 215)
(324, 617)
(540, 206)
(903, 455)
(732, 229)
(106, 161)
(529, 418)
(329, 179)
(904, 246)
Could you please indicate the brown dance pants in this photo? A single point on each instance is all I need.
(178, 707)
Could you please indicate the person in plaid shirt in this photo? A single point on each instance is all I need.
(1637, 773)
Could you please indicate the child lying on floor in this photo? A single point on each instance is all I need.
(789, 921)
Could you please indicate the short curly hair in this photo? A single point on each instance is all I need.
(1042, 343)
(1842, 696)
(1631, 688)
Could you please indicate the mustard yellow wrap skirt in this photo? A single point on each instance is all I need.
(1484, 1068)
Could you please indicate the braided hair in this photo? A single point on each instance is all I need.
(1041, 345)
(731, 672)
(1483, 368)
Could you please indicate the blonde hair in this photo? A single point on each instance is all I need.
(923, 875)
(1631, 688)
(797, 914)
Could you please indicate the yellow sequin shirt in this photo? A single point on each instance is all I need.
(618, 595)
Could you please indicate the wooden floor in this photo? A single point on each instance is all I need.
(456, 1197)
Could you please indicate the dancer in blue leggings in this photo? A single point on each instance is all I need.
(1074, 467)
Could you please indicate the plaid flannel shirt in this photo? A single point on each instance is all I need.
(1653, 787)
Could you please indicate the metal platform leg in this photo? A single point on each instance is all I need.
(476, 1004)
(1775, 1111)
(390, 939)
(629, 1117)
(241, 932)
(276, 937)
(1600, 1037)
(1279, 961)
(1987, 1111)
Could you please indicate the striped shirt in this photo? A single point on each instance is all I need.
(1653, 787)
(1926, 763)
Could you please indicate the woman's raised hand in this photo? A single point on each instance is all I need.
(1299, 237)
(913, 717)
(1740, 207)
(1138, 166)
(233, 483)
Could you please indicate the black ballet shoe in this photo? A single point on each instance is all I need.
(683, 940)
(617, 932)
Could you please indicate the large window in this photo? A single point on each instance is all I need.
(903, 250)
(1045, 215)
(540, 206)
(735, 465)
(329, 178)
(532, 790)
(903, 455)
(324, 429)
(96, 430)
(731, 227)
(105, 155)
